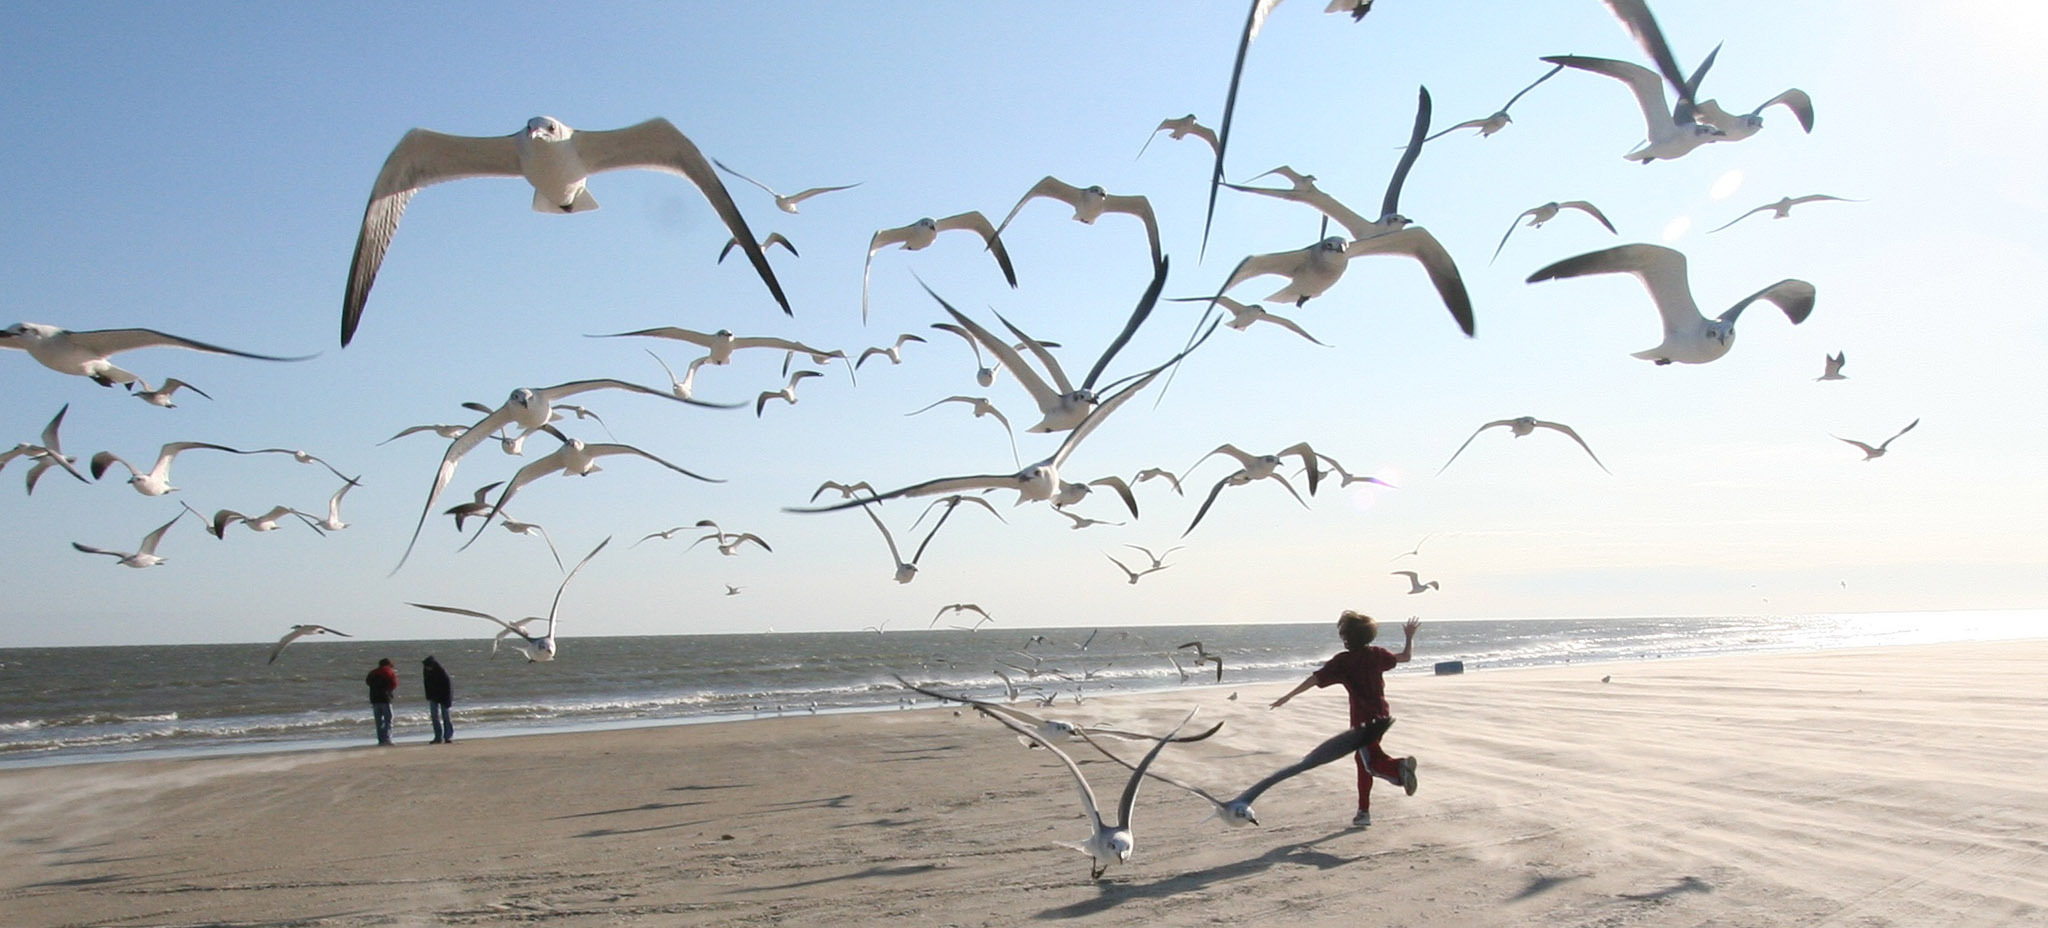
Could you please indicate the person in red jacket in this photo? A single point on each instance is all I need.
(1361, 667)
(383, 681)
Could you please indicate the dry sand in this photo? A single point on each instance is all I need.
(1878, 787)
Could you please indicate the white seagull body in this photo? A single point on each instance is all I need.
(555, 160)
(1499, 120)
(786, 204)
(1689, 338)
(157, 481)
(721, 344)
(894, 352)
(1524, 426)
(1415, 583)
(1735, 128)
(87, 354)
(298, 632)
(575, 459)
(46, 455)
(1538, 215)
(786, 394)
(162, 395)
(536, 649)
(920, 234)
(1669, 136)
(1089, 204)
(1181, 128)
(1782, 208)
(143, 556)
(1244, 315)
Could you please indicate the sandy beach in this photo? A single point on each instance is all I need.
(1875, 787)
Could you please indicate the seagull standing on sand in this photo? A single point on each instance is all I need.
(1689, 338)
(920, 234)
(786, 204)
(555, 160)
(144, 556)
(1089, 204)
(86, 354)
(1538, 215)
(1872, 454)
(536, 649)
(1415, 584)
(1524, 426)
(298, 632)
(1783, 208)
(1832, 368)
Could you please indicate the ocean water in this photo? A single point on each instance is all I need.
(60, 705)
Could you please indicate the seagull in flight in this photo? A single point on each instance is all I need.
(1237, 811)
(574, 458)
(143, 556)
(1205, 656)
(1689, 338)
(542, 648)
(1783, 208)
(893, 352)
(728, 543)
(1872, 454)
(918, 235)
(984, 374)
(786, 204)
(1523, 426)
(1415, 584)
(89, 353)
(1243, 315)
(958, 608)
(1089, 204)
(1158, 560)
(1254, 20)
(1133, 575)
(267, 521)
(162, 395)
(1832, 368)
(1671, 132)
(1150, 473)
(774, 238)
(786, 394)
(1735, 128)
(721, 344)
(1258, 467)
(1181, 128)
(1048, 729)
(982, 407)
(1417, 550)
(298, 632)
(556, 160)
(1538, 215)
(46, 455)
(906, 571)
(157, 481)
(1498, 120)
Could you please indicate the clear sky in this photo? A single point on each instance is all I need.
(202, 170)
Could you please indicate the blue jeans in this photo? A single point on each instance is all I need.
(381, 711)
(444, 726)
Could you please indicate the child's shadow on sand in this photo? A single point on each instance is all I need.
(1114, 894)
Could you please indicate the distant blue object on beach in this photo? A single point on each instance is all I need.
(1446, 668)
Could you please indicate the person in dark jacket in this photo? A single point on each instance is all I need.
(440, 695)
(383, 681)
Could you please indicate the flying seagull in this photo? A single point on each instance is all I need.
(1872, 454)
(1179, 129)
(298, 632)
(556, 160)
(1111, 841)
(535, 649)
(1689, 338)
(774, 238)
(1243, 316)
(1538, 215)
(157, 481)
(1735, 128)
(1238, 810)
(1498, 120)
(920, 234)
(143, 556)
(574, 458)
(46, 455)
(162, 395)
(1089, 204)
(88, 353)
(786, 204)
(1782, 208)
(1832, 368)
(1522, 426)
(1415, 583)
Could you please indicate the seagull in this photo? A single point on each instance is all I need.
(1243, 316)
(156, 482)
(1046, 728)
(450, 432)
(960, 607)
(1089, 204)
(1238, 811)
(1736, 128)
(1522, 426)
(917, 235)
(1204, 656)
(1346, 478)
(877, 629)
(162, 396)
(1135, 574)
(786, 204)
(1689, 338)
(1832, 369)
(46, 455)
(1178, 129)
(1158, 560)
(893, 352)
(536, 649)
(1357, 8)
(1081, 521)
(1872, 454)
(86, 354)
(982, 407)
(517, 527)
(1062, 405)
(951, 503)
(721, 344)
(1254, 20)
(265, 522)
(298, 632)
(984, 374)
(1258, 467)
(728, 543)
(1415, 584)
(680, 389)
(299, 456)
(906, 571)
(478, 505)
(513, 628)
(1783, 208)
(1309, 271)
(787, 393)
(1670, 136)
(1415, 550)
(146, 555)
(1538, 215)
(1166, 475)
(774, 238)
(1111, 842)
(1183, 671)
(575, 459)
(553, 158)
(844, 490)
(731, 590)
(529, 408)
(1498, 120)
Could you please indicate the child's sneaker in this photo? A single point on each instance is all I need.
(1408, 775)
(1362, 819)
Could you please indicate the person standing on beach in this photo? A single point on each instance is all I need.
(383, 681)
(440, 695)
(1361, 667)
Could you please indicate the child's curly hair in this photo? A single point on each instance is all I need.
(1357, 630)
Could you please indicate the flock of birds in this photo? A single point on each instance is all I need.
(558, 161)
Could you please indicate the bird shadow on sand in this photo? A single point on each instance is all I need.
(704, 786)
(1112, 894)
(644, 807)
(615, 832)
(877, 870)
(798, 805)
(1690, 884)
(1542, 884)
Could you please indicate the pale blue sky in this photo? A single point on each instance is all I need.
(202, 170)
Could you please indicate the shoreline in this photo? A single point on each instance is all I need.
(1875, 786)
